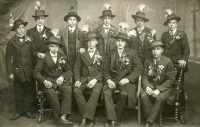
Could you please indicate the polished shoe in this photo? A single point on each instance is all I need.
(114, 124)
(90, 123)
(83, 123)
(149, 124)
(29, 115)
(16, 116)
(66, 119)
(182, 119)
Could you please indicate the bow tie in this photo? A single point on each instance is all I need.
(120, 51)
(20, 37)
(91, 50)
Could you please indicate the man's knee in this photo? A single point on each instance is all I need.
(107, 92)
(161, 97)
(144, 95)
(50, 92)
(124, 94)
(76, 91)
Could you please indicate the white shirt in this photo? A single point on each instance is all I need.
(71, 29)
(20, 36)
(140, 29)
(54, 57)
(91, 53)
(172, 32)
(106, 28)
(40, 28)
(120, 51)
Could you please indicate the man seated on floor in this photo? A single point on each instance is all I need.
(54, 72)
(88, 74)
(121, 70)
(157, 81)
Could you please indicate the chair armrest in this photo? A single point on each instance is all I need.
(139, 86)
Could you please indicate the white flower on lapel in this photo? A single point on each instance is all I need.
(132, 33)
(27, 38)
(161, 67)
(97, 58)
(44, 35)
(61, 63)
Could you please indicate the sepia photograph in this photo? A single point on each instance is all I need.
(99, 63)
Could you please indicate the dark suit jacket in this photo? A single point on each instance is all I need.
(166, 78)
(64, 39)
(131, 71)
(85, 70)
(101, 42)
(135, 43)
(178, 50)
(38, 45)
(18, 59)
(46, 69)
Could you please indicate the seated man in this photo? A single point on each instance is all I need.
(121, 70)
(157, 81)
(88, 74)
(54, 73)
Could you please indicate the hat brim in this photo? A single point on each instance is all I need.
(25, 23)
(87, 39)
(107, 15)
(163, 45)
(176, 18)
(34, 16)
(51, 42)
(67, 16)
(135, 16)
(126, 39)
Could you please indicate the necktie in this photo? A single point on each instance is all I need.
(91, 50)
(40, 29)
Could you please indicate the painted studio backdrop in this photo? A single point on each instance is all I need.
(90, 10)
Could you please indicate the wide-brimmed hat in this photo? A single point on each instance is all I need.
(122, 35)
(72, 14)
(39, 13)
(17, 23)
(91, 35)
(107, 13)
(140, 15)
(54, 40)
(156, 43)
(170, 17)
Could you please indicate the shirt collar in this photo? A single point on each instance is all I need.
(41, 27)
(173, 31)
(72, 28)
(120, 50)
(19, 36)
(92, 49)
(140, 28)
(106, 26)
(53, 54)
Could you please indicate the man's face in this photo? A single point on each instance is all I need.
(53, 48)
(139, 22)
(121, 43)
(157, 51)
(172, 24)
(107, 20)
(20, 30)
(72, 21)
(40, 20)
(92, 43)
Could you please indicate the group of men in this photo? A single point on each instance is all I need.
(105, 61)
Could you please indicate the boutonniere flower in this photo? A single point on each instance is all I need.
(97, 58)
(155, 72)
(27, 38)
(178, 37)
(61, 63)
(111, 32)
(123, 61)
(44, 35)
(150, 35)
(132, 33)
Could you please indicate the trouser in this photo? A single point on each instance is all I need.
(24, 94)
(152, 106)
(87, 109)
(65, 107)
(111, 113)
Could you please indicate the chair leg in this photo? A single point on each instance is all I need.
(139, 110)
(176, 111)
(40, 110)
(160, 119)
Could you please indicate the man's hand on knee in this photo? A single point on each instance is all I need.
(77, 84)
(148, 90)
(111, 84)
(91, 83)
(47, 84)
(60, 80)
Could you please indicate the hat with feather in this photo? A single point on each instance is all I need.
(107, 11)
(169, 16)
(55, 39)
(39, 12)
(16, 23)
(140, 13)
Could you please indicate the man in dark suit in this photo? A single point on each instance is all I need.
(88, 74)
(178, 50)
(71, 37)
(106, 31)
(121, 70)
(157, 81)
(144, 35)
(20, 69)
(39, 33)
(54, 72)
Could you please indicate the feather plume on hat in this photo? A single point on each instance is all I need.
(153, 32)
(55, 32)
(86, 28)
(123, 25)
(141, 7)
(38, 5)
(107, 6)
(11, 21)
(132, 33)
(169, 12)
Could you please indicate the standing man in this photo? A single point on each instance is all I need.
(106, 31)
(178, 50)
(144, 35)
(88, 74)
(39, 33)
(71, 37)
(54, 72)
(157, 82)
(122, 69)
(20, 70)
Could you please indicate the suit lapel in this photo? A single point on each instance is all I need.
(50, 62)
(77, 42)
(113, 60)
(17, 41)
(86, 57)
(65, 35)
(36, 35)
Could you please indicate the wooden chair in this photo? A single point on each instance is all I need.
(42, 99)
(176, 104)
